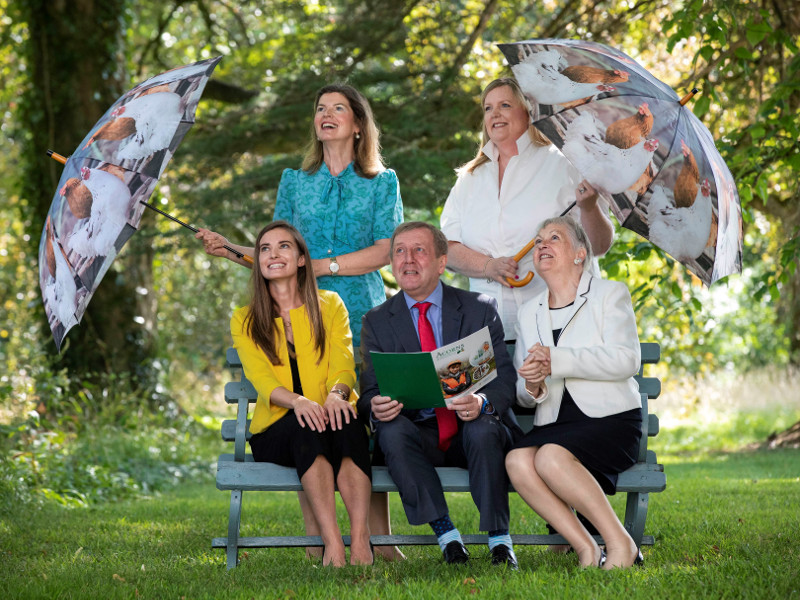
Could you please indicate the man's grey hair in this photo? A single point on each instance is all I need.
(439, 239)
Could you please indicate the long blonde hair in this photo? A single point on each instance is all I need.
(537, 138)
(367, 148)
(260, 323)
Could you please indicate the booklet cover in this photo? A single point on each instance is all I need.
(434, 379)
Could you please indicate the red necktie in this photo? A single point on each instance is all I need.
(448, 426)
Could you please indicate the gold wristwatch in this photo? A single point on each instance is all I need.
(334, 266)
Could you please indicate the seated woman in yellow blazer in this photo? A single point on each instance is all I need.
(295, 345)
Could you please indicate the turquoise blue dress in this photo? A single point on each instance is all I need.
(339, 215)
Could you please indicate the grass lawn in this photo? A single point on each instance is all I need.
(728, 526)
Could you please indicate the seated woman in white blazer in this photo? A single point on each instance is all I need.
(576, 354)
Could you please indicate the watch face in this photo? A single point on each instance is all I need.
(334, 267)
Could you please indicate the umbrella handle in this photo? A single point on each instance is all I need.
(518, 257)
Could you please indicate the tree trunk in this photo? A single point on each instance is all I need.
(74, 55)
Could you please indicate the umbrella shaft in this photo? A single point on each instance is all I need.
(171, 218)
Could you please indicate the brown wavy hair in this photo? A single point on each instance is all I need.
(537, 138)
(368, 161)
(260, 323)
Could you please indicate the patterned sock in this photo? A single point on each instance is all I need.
(445, 531)
(500, 536)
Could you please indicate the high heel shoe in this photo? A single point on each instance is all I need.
(602, 560)
(639, 560)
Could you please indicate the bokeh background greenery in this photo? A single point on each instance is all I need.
(130, 404)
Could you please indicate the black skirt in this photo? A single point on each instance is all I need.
(606, 446)
(286, 443)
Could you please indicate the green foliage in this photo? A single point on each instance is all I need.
(93, 460)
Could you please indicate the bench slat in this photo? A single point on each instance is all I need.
(302, 541)
(253, 476)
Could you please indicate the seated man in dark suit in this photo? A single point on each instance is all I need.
(475, 432)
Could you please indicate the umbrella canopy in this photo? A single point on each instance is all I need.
(632, 139)
(100, 198)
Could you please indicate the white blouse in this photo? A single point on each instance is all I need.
(538, 183)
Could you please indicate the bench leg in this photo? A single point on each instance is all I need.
(636, 515)
(234, 518)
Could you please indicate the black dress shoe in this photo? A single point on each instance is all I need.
(503, 555)
(455, 553)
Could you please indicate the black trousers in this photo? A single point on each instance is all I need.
(411, 454)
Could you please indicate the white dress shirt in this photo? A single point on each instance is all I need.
(538, 183)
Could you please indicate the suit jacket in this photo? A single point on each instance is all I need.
(597, 355)
(390, 328)
(336, 365)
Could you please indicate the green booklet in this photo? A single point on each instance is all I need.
(434, 379)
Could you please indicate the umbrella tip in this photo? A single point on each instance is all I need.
(688, 96)
(56, 156)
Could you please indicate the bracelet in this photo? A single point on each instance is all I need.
(341, 393)
(488, 279)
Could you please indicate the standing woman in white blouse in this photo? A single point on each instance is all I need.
(517, 180)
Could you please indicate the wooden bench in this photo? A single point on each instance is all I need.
(238, 473)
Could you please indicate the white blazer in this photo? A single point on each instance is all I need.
(597, 355)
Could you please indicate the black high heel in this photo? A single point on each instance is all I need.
(639, 560)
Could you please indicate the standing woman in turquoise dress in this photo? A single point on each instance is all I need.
(343, 200)
(346, 204)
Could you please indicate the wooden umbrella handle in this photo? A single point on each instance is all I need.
(518, 257)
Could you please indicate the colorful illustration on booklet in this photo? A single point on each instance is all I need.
(456, 380)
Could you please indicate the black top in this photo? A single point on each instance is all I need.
(297, 387)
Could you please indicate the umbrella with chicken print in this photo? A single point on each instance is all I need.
(631, 137)
(105, 185)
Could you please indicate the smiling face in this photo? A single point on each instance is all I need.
(278, 255)
(504, 118)
(334, 119)
(554, 252)
(415, 264)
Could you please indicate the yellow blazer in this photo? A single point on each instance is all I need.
(336, 365)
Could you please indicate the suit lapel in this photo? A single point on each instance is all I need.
(544, 325)
(580, 298)
(452, 316)
(402, 324)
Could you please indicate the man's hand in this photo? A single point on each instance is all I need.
(384, 408)
(468, 408)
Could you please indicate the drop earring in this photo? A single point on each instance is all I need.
(358, 136)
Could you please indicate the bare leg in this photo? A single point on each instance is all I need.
(573, 483)
(522, 467)
(380, 524)
(310, 522)
(355, 490)
(318, 485)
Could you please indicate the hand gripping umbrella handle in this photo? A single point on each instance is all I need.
(518, 257)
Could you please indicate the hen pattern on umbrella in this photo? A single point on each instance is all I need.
(100, 197)
(629, 136)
